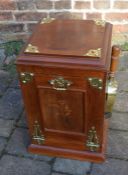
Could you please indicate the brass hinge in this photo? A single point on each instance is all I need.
(96, 82)
(26, 77)
(92, 141)
(37, 134)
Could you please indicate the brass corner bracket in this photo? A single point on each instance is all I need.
(100, 22)
(96, 82)
(93, 53)
(47, 20)
(92, 141)
(37, 134)
(31, 49)
(26, 77)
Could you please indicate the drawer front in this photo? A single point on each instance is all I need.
(67, 82)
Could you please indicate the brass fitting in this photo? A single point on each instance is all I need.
(111, 92)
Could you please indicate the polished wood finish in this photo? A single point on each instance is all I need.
(73, 154)
(65, 37)
(66, 116)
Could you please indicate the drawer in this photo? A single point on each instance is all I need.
(61, 82)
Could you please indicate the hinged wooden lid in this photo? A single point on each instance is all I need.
(88, 39)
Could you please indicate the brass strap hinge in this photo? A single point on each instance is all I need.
(26, 77)
(92, 141)
(37, 134)
(96, 82)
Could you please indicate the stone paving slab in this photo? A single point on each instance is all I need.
(69, 166)
(4, 81)
(121, 103)
(10, 165)
(18, 144)
(119, 121)
(122, 79)
(118, 144)
(3, 142)
(23, 122)
(15, 83)
(2, 57)
(123, 62)
(11, 104)
(111, 167)
(59, 174)
(6, 127)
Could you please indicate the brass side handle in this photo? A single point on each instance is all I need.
(112, 84)
(60, 83)
(111, 92)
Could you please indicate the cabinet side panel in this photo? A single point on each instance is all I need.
(31, 103)
(95, 114)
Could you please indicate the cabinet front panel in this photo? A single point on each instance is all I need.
(66, 114)
(62, 110)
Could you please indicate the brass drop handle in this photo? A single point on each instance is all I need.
(60, 83)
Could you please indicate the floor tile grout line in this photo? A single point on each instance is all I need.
(52, 164)
(21, 127)
(20, 116)
(30, 158)
(62, 173)
(116, 158)
(89, 171)
(117, 130)
(121, 112)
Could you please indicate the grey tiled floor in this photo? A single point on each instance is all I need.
(14, 139)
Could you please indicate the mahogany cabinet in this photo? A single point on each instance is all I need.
(63, 70)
